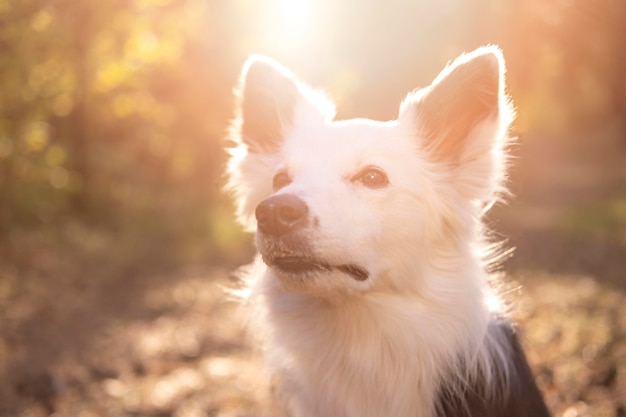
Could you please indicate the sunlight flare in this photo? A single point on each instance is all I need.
(289, 23)
(294, 14)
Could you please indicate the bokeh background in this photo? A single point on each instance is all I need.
(116, 240)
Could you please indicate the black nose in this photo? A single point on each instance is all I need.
(281, 214)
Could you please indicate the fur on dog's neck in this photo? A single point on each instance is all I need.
(380, 349)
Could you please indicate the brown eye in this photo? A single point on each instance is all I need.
(372, 177)
(280, 180)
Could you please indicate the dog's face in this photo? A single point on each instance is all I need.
(347, 206)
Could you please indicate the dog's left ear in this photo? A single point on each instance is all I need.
(462, 120)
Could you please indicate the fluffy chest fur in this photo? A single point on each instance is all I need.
(379, 355)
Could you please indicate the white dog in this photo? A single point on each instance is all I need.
(371, 294)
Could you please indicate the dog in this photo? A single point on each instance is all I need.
(372, 294)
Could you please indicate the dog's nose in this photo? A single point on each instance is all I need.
(281, 214)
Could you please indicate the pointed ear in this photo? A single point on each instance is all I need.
(270, 98)
(465, 93)
(462, 120)
(267, 96)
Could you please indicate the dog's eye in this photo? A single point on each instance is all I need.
(372, 177)
(280, 180)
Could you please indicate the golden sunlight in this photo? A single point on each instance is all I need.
(294, 13)
(288, 23)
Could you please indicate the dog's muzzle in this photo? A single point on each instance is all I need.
(279, 218)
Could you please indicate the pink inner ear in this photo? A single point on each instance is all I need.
(270, 100)
(464, 94)
(268, 96)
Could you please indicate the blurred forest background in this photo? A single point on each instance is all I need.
(113, 117)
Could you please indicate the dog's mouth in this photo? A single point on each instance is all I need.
(302, 265)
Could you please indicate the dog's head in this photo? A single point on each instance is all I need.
(357, 205)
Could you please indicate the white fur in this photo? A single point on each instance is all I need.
(379, 347)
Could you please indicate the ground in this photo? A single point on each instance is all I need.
(88, 330)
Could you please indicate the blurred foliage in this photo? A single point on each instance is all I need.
(115, 112)
(110, 111)
(600, 220)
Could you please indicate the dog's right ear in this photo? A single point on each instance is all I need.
(270, 97)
